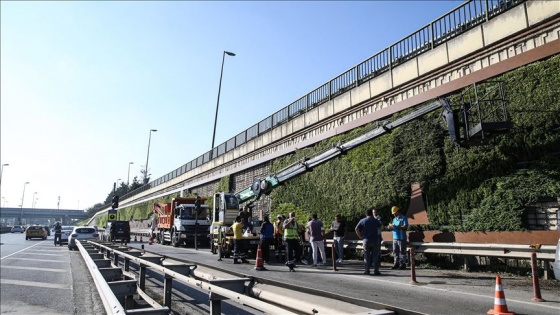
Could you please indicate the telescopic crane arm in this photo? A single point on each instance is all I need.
(266, 185)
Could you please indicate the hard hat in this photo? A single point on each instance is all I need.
(394, 210)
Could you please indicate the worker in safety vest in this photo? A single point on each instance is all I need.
(291, 239)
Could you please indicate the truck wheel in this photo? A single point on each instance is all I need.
(162, 237)
(213, 247)
(174, 239)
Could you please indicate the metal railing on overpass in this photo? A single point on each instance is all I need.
(450, 25)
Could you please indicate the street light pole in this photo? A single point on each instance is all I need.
(218, 102)
(33, 201)
(118, 183)
(21, 206)
(128, 179)
(2, 172)
(148, 156)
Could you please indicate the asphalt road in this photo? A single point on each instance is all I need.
(37, 277)
(437, 291)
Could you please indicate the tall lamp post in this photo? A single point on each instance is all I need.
(218, 102)
(148, 156)
(128, 178)
(21, 206)
(2, 172)
(33, 201)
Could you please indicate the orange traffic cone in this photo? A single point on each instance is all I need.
(259, 264)
(500, 305)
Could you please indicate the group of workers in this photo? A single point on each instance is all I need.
(285, 235)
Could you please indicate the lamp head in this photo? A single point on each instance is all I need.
(229, 53)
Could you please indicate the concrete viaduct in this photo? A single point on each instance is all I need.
(478, 40)
(37, 215)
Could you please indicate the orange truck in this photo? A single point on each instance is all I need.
(182, 221)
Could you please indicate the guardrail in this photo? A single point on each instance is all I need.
(175, 270)
(514, 251)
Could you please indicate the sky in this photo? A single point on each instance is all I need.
(82, 83)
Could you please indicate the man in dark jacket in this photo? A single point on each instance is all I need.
(267, 238)
(57, 234)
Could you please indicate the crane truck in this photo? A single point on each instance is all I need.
(182, 221)
(466, 126)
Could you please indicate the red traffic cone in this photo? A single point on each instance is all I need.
(259, 264)
(500, 305)
(150, 241)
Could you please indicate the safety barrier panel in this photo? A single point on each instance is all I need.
(545, 252)
(174, 270)
(101, 271)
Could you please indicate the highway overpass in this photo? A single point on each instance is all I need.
(38, 215)
(478, 40)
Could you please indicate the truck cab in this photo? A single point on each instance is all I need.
(226, 209)
(182, 221)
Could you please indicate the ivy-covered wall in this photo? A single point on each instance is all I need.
(476, 188)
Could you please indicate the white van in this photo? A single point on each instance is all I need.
(557, 262)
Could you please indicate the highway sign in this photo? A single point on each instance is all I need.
(112, 215)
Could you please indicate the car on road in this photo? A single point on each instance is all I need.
(66, 231)
(557, 262)
(35, 231)
(17, 229)
(122, 230)
(81, 233)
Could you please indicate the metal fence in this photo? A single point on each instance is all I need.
(452, 24)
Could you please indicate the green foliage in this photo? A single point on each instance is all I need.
(481, 188)
(476, 188)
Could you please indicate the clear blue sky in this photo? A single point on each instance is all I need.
(82, 83)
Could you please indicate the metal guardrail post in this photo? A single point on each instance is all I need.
(167, 286)
(126, 264)
(115, 259)
(412, 267)
(142, 278)
(215, 304)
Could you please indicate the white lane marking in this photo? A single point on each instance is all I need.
(35, 253)
(467, 293)
(36, 284)
(19, 251)
(34, 268)
(47, 260)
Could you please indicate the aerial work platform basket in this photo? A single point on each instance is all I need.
(479, 116)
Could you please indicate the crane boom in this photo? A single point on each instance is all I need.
(270, 182)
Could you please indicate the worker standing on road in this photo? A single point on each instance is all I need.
(316, 239)
(267, 237)
(399, 227)
(57, 234)
(113, 231)
(368, 230)
(279, 241)
(339, 228)
(291, 239)
(238, 242)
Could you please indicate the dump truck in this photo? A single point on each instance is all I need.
(182, 221)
